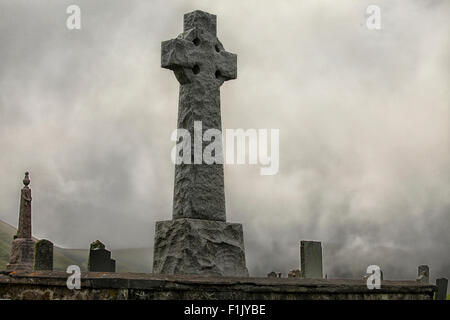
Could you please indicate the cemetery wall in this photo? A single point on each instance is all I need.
(128, 286)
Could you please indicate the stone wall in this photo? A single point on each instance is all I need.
(134, 286)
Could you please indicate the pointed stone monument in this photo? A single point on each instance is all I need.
(22, 249)
(198, 240)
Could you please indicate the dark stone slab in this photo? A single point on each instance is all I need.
(43, 255)
(100, 261)
(311, 259)
(441, 284)
(112, 265)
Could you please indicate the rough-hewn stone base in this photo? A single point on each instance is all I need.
(204, 247)
(22, 255)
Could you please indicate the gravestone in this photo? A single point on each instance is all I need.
(296, 273)
(100, 258)
(311, 259)
(423, 274)
(43, 255)
(198, 240)
(22, 248)
(441, 284)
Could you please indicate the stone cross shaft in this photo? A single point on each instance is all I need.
(201, 65)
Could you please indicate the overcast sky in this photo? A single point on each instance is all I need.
(363, 118)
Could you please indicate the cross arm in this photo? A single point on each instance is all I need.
(227, 65)
(175, 54)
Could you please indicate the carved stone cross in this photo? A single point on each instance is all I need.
(201, 65)
(198, 240)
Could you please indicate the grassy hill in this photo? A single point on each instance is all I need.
(6, 235)
(127, 260)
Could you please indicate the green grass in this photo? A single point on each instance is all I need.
(6, 235)
(127, 260)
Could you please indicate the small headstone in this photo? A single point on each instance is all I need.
(100, 258)
(441, 284)
(272, 274)
(311, 259)
(112, 265)
(294, 273)
(423, 274)
(43, 255)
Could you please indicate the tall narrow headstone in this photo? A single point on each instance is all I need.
(100, 258)
(423, 274)
(43, 255)
(198, 240)
(22, 249)
(311, 259)
(441, 284)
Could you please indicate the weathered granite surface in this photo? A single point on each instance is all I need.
(201, 65)
(194, 246)
(139, 286)
(22, 255)
(441, 284)
(43, 255)
(311, 259)
(100, 259)
(423, 274)
(22, 248)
